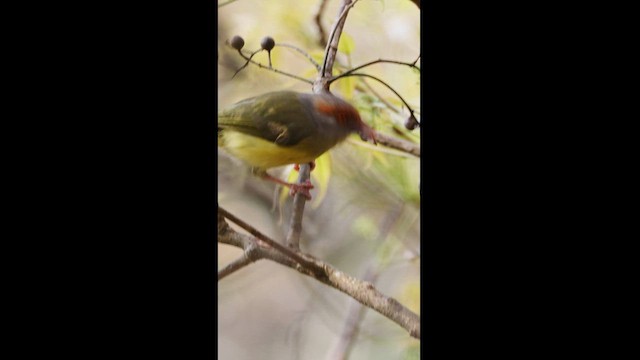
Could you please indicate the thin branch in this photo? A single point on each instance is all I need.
(315, 64)
(375, 93)
(346, 73)
(226, 3)
(385, 84)
(295, 227)
(332, 45)
(416, 60)
(234, 266)
(362, 291)
(261, 236)
(318, 19)
(381, 149)
(249, 60)
(246, 63)
(398, 144)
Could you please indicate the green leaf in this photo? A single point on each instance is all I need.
(346, 44)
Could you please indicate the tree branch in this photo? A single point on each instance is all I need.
(236, 265)
(315, 64)
(222, 213)
(259, 246)
(250, 60)
(352, 325)
(346, 73)
(226, 3)
(398, 144)
(383, 83)
(295, 227)
(322, 36)
(322, 83)
(362, 291)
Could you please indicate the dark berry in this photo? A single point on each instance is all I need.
(411, 122)
(267, 43)
(237, 42)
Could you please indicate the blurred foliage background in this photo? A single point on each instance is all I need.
(365, 212)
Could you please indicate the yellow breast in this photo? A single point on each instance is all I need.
(264, 154)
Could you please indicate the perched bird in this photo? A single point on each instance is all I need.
(286, 127)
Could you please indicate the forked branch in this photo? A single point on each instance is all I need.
(362, 291)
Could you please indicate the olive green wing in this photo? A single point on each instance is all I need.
(279, 117)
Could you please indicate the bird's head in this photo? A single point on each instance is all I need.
(345, 114)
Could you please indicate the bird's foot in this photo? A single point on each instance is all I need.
(301, 188)
(312, 164)
(293, 188)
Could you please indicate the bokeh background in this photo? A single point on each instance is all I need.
(364, 218)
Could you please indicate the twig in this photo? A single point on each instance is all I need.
(236, 265)
(320, 85)
(362, 291)
(315, 64)
(398, 144)
(295, 227)
(261, 236)
(416, 60)
(383, 83)
(246, 63)
(318, 19)
(346, 73)
(381, 149)
(332, 45)
(375, 93)
(226, 3)
(249, 60)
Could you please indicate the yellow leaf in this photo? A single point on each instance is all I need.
(410, 296)
(381, 157)
(309, 74)
(284, 193)
(347, 86)
(320, 178)
(318, 56)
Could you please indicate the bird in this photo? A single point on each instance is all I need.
(287, 127)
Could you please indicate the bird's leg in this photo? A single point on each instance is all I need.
(312, 166)
(293, 188)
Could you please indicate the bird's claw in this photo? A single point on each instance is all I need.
(302, 189)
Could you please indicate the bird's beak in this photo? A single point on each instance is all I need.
(367, 133)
